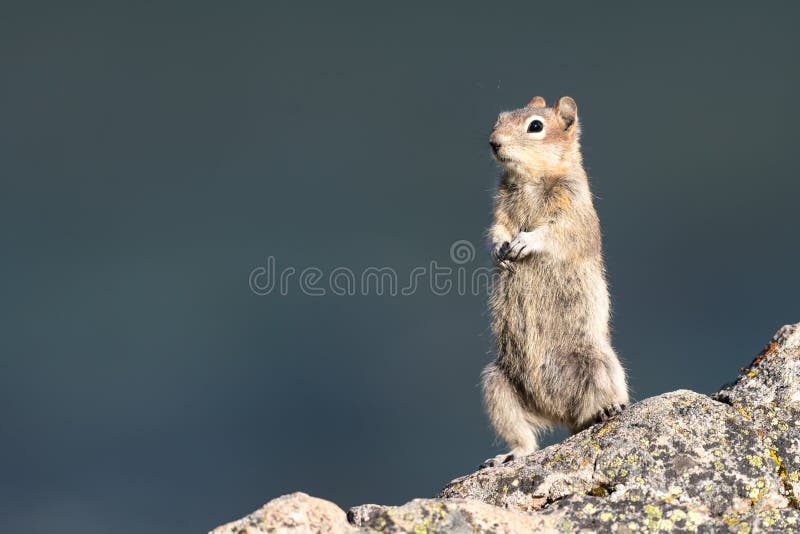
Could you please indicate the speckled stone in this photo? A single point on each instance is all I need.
(296, 512)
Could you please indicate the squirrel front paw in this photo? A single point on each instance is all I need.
(525, 244)
(499, 255)
(499, 250)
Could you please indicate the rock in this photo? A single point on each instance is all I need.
(446, 515)
(767, 393)
(680, 461)
(296, 512)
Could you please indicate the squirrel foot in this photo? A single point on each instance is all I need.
(497, 460)
(608, 412)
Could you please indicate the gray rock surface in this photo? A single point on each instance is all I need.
(680, 462)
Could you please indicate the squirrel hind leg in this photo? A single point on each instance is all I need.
(513, 422)
(604, 393)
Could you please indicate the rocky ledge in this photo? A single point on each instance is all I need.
(680, 461)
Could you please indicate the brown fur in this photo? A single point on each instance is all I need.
(550, 307)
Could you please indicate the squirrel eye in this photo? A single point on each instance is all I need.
(535, 126)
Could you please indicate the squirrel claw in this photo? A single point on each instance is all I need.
(500, 256)
(608, 412)
(500, 251)
(506, 265)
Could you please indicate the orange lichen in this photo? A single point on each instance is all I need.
(769, 350)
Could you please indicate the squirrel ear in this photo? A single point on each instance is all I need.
(536, 102)
(567, 111)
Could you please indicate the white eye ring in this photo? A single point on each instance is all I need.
(540, 133)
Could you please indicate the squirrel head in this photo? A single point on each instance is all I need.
(538, 140)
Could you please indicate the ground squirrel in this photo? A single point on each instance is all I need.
(550, 306)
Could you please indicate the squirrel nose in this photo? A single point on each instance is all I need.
(495, 146)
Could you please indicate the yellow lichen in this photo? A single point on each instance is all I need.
(424, 527)
(775, 458)
(755, 460)
(695, 518)
(677, 515)
(605, 430)
(652, 511)
(770, 518)
(653, 514)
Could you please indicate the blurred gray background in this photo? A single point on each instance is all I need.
(153, 154)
